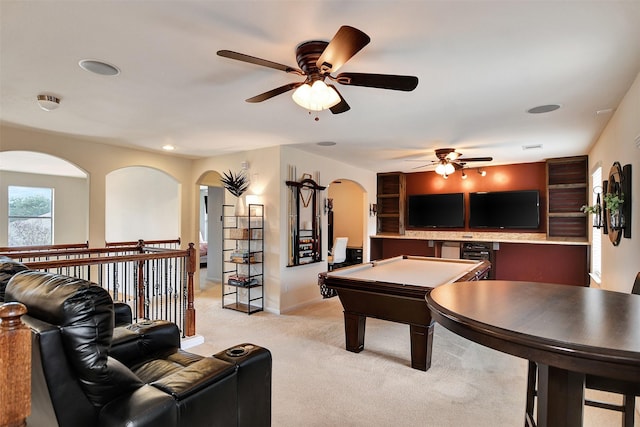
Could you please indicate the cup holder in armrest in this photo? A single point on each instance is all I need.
(238, 351)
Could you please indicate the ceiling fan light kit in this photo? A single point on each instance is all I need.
(315, 97)
(449, 161)
(317, 60)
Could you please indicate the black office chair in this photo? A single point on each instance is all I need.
(628, 390)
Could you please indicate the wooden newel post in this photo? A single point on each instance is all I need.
(15, 366)
(190, 320)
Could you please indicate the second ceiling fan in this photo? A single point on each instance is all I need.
(449, 161)
(317, 60)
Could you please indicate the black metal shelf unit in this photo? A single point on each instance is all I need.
(242, 256)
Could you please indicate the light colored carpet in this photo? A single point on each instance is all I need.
(316, 382)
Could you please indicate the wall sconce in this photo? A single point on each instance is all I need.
(597, 209)
(328, 205)
(373, 209)
(464, 175)
(482, 172)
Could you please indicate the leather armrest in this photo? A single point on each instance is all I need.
(140, 342)
(195, 377)
(145, 407)
(123, 315)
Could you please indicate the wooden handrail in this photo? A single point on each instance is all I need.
(143, 289)
(44, 247)
(55, 253)
(15, 369)
(146, 242)
(61, 263)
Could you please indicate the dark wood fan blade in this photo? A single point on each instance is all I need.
(258, 61)
(341, 106)
(475, 159)
(347, 42)
(274, 92)
(380, 81)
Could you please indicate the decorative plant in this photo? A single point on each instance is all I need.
(593, 209)
(236, 184)
(613, 201)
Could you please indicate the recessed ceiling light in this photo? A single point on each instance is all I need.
(48, 102)
(532, 147)
(604, 111)
(99, 67)
(543, 109)
(326, 143)
(168, 147)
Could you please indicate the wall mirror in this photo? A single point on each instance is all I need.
(617, 200)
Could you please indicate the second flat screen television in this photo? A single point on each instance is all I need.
(436, 210)
(504, 209)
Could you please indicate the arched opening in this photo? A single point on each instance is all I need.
(68, 186)
(346, 217)
(141, 203)
(210, 201)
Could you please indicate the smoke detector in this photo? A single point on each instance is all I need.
(48, 102)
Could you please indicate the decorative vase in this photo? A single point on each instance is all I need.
(240, 207)
(617, 219)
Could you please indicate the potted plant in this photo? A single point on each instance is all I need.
(613, 203)
(236, 184)
(593, 209)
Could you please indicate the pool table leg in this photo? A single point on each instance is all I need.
(421, 343)
(354, 325)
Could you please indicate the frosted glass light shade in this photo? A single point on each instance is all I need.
(315, 97)
(449, 169)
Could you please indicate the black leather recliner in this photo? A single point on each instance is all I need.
(84, 374)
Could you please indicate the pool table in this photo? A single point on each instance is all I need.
(394, 289)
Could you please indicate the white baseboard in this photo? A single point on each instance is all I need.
(193, 341)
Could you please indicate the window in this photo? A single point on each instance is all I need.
(30, 216)
(596, 238)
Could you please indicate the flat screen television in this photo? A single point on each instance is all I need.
(436, 210)
(504, 209)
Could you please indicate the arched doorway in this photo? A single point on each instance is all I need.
(346, 218)
(210, 201)
(141, 203)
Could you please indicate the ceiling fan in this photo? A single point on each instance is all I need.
(449, 161)
(317, 60)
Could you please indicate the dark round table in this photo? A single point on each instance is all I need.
(568, 331)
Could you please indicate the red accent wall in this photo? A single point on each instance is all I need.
(564, 264)
(525, 176)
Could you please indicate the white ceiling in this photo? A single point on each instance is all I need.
(481, 65)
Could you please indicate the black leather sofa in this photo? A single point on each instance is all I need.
(86, 372)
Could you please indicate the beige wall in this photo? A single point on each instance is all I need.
(287, 287)
(348, 197)
(98, 160)
(264, 178)
(70, 210)
(620, 264)
(299, 285)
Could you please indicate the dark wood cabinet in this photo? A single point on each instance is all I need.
(391, 202)
(567, 192)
